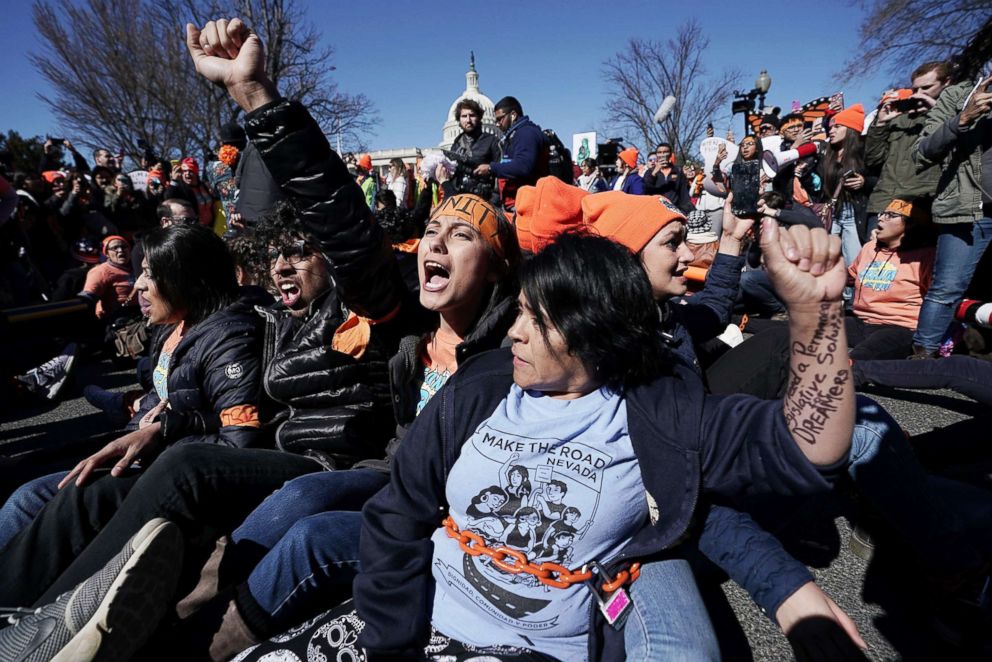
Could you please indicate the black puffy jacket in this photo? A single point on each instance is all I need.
(334, 408)
(214, 381)
(337, 408)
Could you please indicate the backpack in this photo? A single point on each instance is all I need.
(559, 158)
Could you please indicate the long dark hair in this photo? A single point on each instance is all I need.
(192, 269)
(595, 293)
(853, 147)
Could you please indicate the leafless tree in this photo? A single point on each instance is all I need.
(642, 75)
(120, 72)
(899, 35)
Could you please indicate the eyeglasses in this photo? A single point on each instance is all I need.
(293, 252)
(499, 118)
(120, 249)
(184, 220)
(766, 128)
(748, 143)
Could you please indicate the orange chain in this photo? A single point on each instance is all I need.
(515, 562)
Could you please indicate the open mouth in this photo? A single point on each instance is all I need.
(290, 293)
(436, 276)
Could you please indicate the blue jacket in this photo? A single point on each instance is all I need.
(524, 158)
(751, 556)
(689, 445)
(633, 184)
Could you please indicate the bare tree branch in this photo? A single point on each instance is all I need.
(120, 72)
(641, 76)
(899, 35)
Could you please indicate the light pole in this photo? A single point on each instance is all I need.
(744, 101)
(762, 84)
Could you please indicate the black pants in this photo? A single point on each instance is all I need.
(205, 489)
(871, 342)
(759, 366)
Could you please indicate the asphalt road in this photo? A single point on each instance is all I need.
(886, 597)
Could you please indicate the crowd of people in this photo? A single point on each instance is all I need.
(495, 408)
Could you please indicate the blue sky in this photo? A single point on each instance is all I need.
(410, 58)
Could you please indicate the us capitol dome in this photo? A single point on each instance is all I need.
(451, 128)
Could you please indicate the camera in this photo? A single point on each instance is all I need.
(464, 179)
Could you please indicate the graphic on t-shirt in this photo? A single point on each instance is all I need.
(878, 276)
(433, 381)
(535, 496)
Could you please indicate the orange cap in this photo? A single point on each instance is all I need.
(545, 211)
(629, 156)
(627, 219)
(852, 118)
(365, 161)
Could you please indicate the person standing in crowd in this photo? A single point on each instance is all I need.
(957, 135)
(186, 184)
(103, 157)
(667, 179)
(523, 152)
(591, 179)
(475, 147)
(845, 183)
(221, 175)
(398, 181)
(627, 179)
(365, 178)
(891, 137)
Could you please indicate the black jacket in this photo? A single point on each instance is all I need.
(332, 407)
(675, 187)
(214, 370)
(337, 407)
(687, 444)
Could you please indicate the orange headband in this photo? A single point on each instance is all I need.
(475, 211)
(900, 207)
(790, 123)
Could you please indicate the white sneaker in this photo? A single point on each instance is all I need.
(111, 613)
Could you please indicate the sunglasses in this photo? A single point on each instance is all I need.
(292, 252)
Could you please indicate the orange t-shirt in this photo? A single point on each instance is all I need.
(438, 356)
(111, 285)
(889, 285)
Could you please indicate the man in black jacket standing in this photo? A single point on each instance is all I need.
(472, 148)
(667, 179)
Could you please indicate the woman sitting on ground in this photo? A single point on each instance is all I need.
(578, 401)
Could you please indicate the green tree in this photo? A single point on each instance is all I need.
(21, 154)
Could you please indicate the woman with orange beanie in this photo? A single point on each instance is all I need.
(845, 182)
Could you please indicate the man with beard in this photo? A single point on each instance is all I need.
(472, 147)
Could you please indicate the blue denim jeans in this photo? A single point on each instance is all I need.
(963, 374)
(669, 620)
(757, 294)
(846, 226)
(959, 248)
(308, 531)
(26, 502)
(944, 522)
